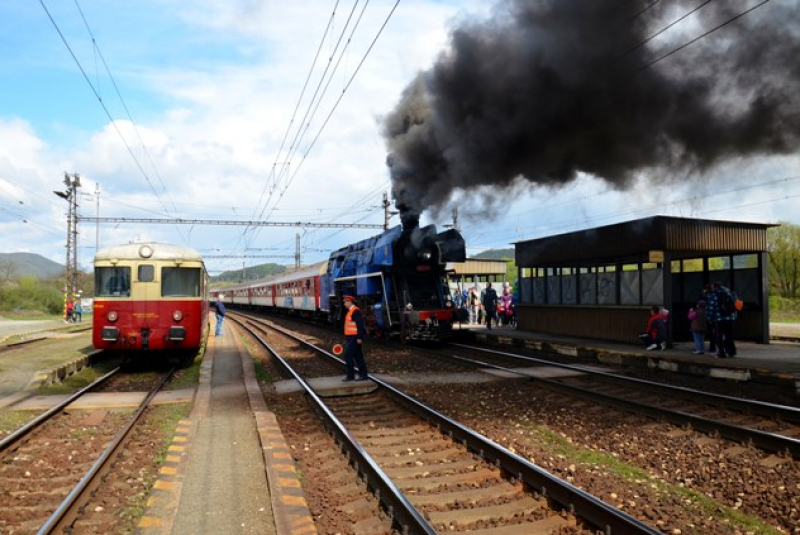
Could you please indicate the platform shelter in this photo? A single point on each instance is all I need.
(600, 283)
(476, 271)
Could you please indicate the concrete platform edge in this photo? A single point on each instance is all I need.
(289, 506)
(53, 375)
(165, 495)
(789, 383)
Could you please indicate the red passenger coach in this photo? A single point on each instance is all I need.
(150, 297)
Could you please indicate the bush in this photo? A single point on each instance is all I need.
(784, 309)
(32, 294)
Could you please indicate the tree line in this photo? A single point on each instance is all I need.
(19, 292)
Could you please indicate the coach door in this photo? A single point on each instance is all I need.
(145, 304)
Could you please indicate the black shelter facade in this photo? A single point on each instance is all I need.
(600, 283)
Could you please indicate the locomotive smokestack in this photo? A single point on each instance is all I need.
(544, 91)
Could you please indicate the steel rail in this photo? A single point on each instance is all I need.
(586, 506)
(14, 437)
(400, 509)
(772, 410)
(66, 511)
(762, 439)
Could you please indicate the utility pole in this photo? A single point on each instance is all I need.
(73, 182)
(97, 237)
(386, 212)
(297, 250)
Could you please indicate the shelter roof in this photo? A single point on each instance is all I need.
(680, 237)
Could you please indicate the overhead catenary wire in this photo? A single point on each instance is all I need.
(699, 37)
(103, 105)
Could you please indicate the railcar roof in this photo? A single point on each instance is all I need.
(148, 251)
(303, 272)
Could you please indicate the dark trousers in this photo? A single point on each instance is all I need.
(354, 355)
(490, 315)
(725, 345)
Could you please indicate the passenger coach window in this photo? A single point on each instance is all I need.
(180, 282)
(146, 273)
(112, 281)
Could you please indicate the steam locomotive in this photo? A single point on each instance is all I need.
(399, 279)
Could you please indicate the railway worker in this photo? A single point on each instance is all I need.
(219, 306)
(490, 304)
(354, 333)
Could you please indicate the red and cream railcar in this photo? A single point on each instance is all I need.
(150, 297)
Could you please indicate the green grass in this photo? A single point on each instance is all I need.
(691, 499)
(29, 316)
(10, 421)
(262, 375)
(165, 418)
(79, 380)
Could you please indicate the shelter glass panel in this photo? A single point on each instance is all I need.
(692, 287)
(588, 283)
(607, 288)
(569, 290)
(526, 291)
(693, 265)
(719, 263)
(745, 261)
(629, 288)
(180, 282)
(554, 290)
(747, 284)
(539, 291)
(653, 287)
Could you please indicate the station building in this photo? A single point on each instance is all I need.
(476, 271)
(600, 283)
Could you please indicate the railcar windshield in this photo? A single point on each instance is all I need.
(180, 282)
(112, 281)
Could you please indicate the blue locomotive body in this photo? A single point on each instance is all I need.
(399, 280)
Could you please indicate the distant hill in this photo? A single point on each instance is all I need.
(252, 273)
(15, 265)
(495, 254)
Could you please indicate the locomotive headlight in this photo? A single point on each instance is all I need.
(177, 315)
(112, 316)
(425, 255)
(448, 304)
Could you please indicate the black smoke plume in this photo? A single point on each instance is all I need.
(546, 89)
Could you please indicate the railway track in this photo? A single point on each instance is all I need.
(50, 465)
(435, 475)
(769, 426)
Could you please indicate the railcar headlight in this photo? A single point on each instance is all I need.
(112, 316)
(177, 315)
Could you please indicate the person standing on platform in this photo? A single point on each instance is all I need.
(698, 325)
(78, 312)
(220, 308)
(722, 312)
(490, 304)
(354, 333)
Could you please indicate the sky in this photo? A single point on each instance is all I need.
(285, 112)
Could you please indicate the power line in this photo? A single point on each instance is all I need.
(709, 32)
(102, 104)
(222, 222)
(662, 30)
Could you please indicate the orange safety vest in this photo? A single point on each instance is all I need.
(350, 327)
